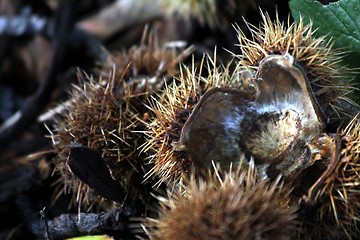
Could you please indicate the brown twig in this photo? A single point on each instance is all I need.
(16, 125)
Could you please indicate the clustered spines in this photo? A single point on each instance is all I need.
(207, 12)
(211, 13)
(147, 61)
(337, 200)
(330, 82)
(339, 195)
(226, 205)
(93, 120)
(204, 10)
(107, 113)
(228, 76)
(171, 110)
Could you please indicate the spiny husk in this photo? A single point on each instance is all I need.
(320, 64)
(207, 12)
(107, 115)
(236, 204)
(173, 107)
(339, 197)
(147, 61)
(330, 82)
(99, 116)
(337, 202)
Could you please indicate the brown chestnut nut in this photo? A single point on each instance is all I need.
(213, 131)
(283, 119)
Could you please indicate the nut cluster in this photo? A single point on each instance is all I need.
(105, 112)
(265, 114)
(274, 107)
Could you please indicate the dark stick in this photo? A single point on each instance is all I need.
(71, 225)
(43, 216)
(35, 104)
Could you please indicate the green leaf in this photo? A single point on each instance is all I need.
(339, 20)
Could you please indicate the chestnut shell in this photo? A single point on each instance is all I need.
(274, 126)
